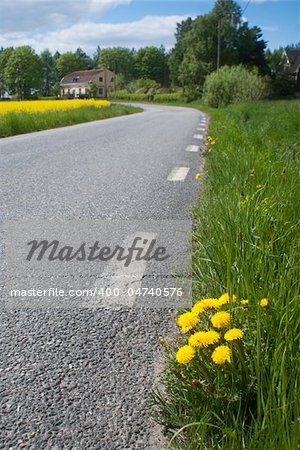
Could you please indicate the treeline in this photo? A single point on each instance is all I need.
(219, 38)
(23, 73)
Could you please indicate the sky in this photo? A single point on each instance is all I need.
(64, 25)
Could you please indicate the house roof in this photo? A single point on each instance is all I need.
(81, 76)
(295, 66)
(292, 54)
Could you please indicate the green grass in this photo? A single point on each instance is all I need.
(25, 122)
(246, 241)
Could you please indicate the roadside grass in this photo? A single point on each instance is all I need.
(13, 123)
(246, 242)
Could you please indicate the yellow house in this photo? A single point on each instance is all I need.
(77, 84)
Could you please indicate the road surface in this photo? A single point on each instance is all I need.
(76, 373)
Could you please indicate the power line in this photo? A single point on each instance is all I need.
(248, 3)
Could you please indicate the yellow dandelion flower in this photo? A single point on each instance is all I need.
(209, 138)
(225, 299)
(221, 319)
(258, 186)
(198, 308)
(204, 338)
(205, 304)
(264, 302)
(233, 334)
(221, 354)
(213, 142)
(187, 321)
(197, 176)
(211, 303)
(244, 302)
(185, 354)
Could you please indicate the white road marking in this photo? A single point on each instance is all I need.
(192, 148)
(178, 174)
(203, 129)
(198, 136)
(120, 278)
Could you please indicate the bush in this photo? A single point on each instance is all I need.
(144, 84)
(140, 97)
(283, 85)
(233, 85)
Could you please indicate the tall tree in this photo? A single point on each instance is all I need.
(151, 62)
(117, 59)
(222, 29)
(5, 54)
(86, 59)
(69, 62)
(96, 56)
(177, 53)
(23, 72)
(251, 48)
(49, 72)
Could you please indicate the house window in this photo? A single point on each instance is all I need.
(79, 91)
(100, 79)
(63, 92)
(112, 79)
(101, 91)
(68, 91)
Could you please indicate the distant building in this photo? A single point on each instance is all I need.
(77, 84)
(292, 57)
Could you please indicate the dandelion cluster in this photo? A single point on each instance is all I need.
(211, 140)
(36, 106)
(212, 335)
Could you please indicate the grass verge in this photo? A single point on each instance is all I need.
(246, 242)
(25, 122)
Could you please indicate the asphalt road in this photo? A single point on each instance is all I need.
(76, 373)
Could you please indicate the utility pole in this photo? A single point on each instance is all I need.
(219, 44)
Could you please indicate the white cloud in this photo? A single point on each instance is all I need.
(38, 15)
(263, 1)
(271, 28)
(150, 30)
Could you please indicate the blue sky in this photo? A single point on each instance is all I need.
(68, 24)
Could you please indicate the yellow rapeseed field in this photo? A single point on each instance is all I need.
(49, 105)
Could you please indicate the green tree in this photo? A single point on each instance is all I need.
(49, 72)
(199, 44)
(282, 80)
(91, 91)
(5, 54)
(251, 48)
(117, 59)
(151, 63)
(86, 59)
(177, 53)
(69, 62)
(23, 72)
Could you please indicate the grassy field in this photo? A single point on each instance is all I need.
(245, 394)
(15, 122)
